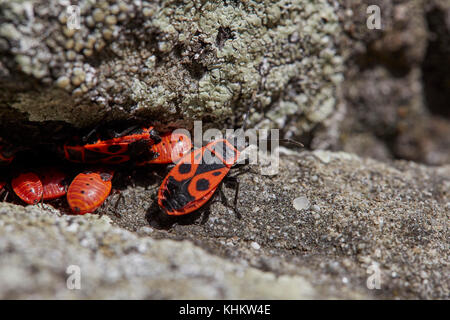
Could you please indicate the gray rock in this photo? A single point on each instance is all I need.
(394, 103)
(183, 62)
(36, 262)
(391, 218)
(313, 69)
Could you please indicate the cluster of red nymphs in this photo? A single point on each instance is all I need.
(187, 187)
(90, 188)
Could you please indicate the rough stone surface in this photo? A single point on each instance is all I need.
(364, 214)
(40, 248)
(395, 91)
(173, 61)
(311, 68)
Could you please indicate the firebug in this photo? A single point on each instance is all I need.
(171, 148)
(89, 190)
(133, 145)
(54, 182)
(195, 178)
(28, 187)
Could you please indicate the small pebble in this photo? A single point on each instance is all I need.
(255, 245)
(301, 203)
(145, 230)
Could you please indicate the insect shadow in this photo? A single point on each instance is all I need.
(158, 219)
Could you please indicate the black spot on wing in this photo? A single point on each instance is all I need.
(202, 184)
(184, 168)
(202, 168)
(209, 163)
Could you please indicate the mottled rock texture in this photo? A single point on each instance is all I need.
(116, 264)
(172, 61)
(312, 69)
(396, 88)
(362, 214)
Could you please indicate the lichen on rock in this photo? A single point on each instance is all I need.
(173, 60)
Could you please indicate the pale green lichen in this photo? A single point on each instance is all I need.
(170, 61)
